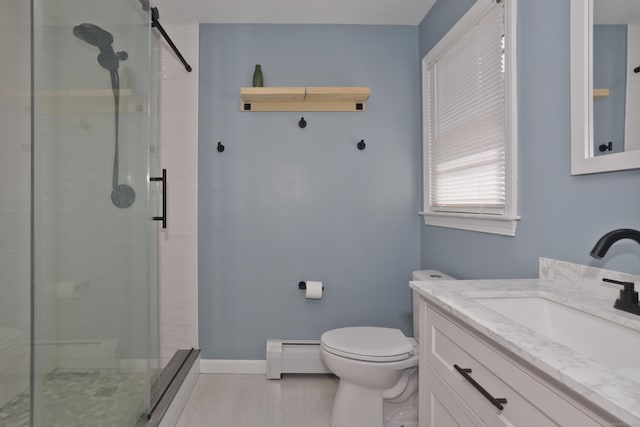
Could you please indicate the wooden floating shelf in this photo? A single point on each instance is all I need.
(600, 93)
(87, 101)
(260, 99)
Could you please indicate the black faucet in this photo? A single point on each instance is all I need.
(605, 242)
(628, 300)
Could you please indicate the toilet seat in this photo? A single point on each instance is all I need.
(369, 344)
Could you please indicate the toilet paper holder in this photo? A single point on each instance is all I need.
(303, 286)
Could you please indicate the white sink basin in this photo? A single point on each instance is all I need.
(607, 342)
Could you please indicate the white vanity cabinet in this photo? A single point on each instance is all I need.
(447, 398)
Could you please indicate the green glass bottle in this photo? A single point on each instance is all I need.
(258, 80)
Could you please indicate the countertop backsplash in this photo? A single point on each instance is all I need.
(583, 277)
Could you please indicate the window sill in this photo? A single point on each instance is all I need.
(483, 223)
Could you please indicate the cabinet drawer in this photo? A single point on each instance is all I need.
(440, 406)
(529, 402)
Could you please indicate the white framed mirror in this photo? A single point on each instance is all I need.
(602, 138)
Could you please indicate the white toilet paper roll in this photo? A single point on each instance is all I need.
(314, 290)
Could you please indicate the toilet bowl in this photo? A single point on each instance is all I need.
(374, 365)
(378, 371)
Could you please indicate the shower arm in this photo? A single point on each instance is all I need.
(155, 23)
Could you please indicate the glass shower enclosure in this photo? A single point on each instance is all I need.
(15, 236)
(79, 223)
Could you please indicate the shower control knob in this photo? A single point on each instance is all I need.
(122, 56)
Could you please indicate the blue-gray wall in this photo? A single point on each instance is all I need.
(562, 215)
(609, 72)
(283, 204)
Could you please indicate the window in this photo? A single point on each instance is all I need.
(470, 130)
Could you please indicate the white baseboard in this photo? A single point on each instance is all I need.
(223, 366)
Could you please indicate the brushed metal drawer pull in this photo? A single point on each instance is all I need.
(495, 401)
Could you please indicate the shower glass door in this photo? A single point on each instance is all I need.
(15, 237)
(94, 262)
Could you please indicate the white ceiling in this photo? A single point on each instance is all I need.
(382, 12)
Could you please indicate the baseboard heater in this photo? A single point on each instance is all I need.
(294, 357)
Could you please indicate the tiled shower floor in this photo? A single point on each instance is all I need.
(81, 399)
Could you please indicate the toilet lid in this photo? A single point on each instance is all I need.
(368, 344)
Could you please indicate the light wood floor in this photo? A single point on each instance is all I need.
(224, 400)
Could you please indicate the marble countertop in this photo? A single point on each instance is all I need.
(614, 390)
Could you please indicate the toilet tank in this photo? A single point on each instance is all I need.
(422, 275)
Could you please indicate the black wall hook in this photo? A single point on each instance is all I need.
(220, 147)
(302, 123)
(606, 147)
(361, 145)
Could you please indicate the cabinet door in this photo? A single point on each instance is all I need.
(440, 406)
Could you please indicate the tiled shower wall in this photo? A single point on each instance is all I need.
(178, 154)
(15, 154)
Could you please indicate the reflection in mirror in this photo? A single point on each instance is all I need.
(616, 96)
(605, 89)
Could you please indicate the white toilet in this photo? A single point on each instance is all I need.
(378, 371)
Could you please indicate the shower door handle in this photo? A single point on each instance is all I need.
(162, 178)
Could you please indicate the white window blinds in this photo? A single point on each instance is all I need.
(466, 121)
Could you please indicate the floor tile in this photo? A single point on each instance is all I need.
(226, 400)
